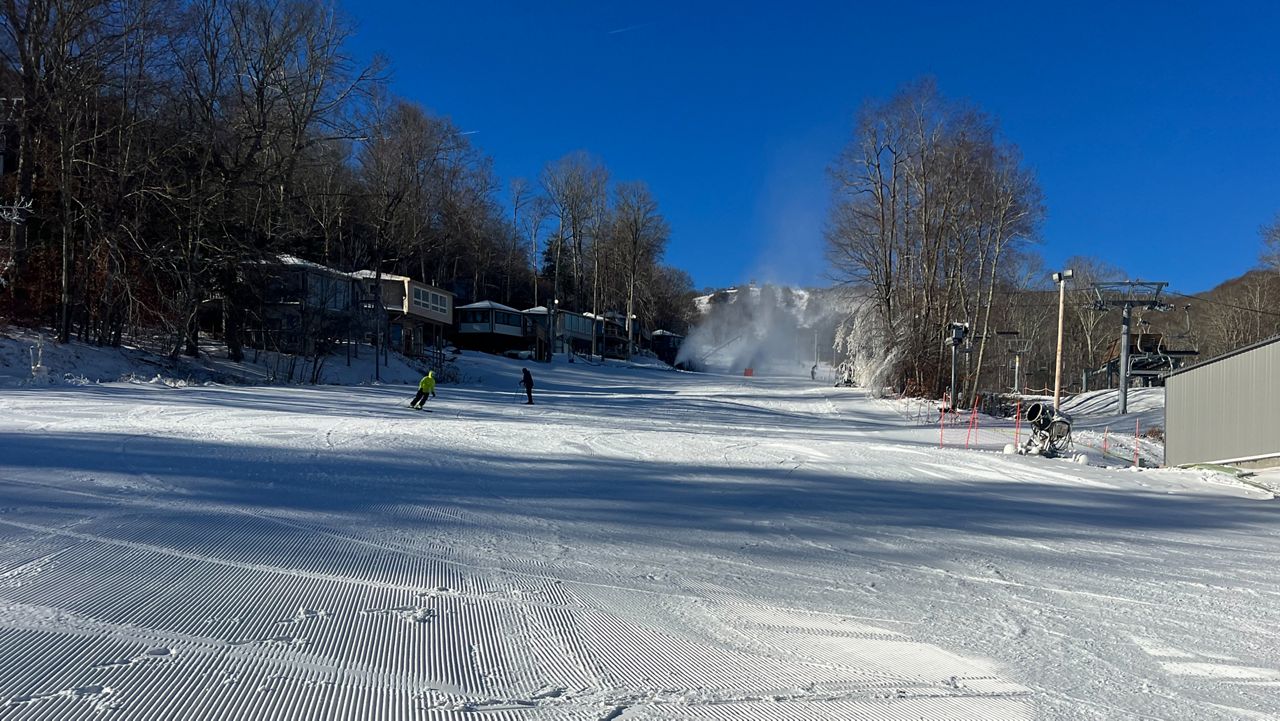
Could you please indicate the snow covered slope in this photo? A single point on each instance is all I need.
(1097, 409)
(79, 363)
(1097, 423)
(638, 545)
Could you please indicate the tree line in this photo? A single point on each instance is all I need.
(930, 214)
(933, 221)
(165, 148)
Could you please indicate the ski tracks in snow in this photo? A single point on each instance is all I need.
(302, 556)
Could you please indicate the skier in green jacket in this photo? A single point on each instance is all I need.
(426, 387)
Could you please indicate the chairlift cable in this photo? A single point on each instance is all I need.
(1224, 303)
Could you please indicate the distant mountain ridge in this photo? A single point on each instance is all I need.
(807, 305)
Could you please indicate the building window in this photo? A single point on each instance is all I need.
(439, 303)
(430, 300)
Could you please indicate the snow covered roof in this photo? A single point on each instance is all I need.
(384, 276)
(536, 310)
(487, 305)
(369, 275)
(293, 260)
(667, 332)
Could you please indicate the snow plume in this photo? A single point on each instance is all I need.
(870, 355)
(770, 329)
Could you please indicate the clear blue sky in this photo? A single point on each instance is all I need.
(1154, 127)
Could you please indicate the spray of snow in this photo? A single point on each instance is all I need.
(866, 345)
(770, 329)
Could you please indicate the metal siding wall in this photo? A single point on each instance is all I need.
(1226, 410)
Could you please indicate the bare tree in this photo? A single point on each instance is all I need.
(529, 212)
(1270, 255)
(575, 186)
(643, 232)
(174, 148)
(927, 204)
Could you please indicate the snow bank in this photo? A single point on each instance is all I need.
(79, 363)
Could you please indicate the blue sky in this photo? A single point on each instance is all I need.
(1154, 127)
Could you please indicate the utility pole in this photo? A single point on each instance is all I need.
(1061, 280)
(959, 331)
(1127, 294)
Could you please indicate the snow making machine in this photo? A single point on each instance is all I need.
(1050, 432)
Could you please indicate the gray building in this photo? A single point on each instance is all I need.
(1225, 410)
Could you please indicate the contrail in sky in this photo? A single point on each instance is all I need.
(629, 28)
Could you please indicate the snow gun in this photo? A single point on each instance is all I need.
(1050, 431)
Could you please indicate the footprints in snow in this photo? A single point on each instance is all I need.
(101, 697)
(304, 614)
(149, 656)
(412, 614)
(547, 695)
(98, 696)
(415, 613)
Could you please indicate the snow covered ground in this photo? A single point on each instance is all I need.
(640, 544)
(81, 364)
(1100, 430)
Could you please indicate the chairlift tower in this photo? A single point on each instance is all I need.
(1126, 295)
(1017, 347)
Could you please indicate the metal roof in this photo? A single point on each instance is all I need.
(1224, 356)
(487, 305)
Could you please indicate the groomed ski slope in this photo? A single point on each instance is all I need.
(638, 545)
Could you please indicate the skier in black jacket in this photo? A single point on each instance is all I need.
(527, 381)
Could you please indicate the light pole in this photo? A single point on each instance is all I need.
(1061, 279)
(551, 330)
(959, 331)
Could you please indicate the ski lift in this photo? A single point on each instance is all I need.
(1187, 333)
